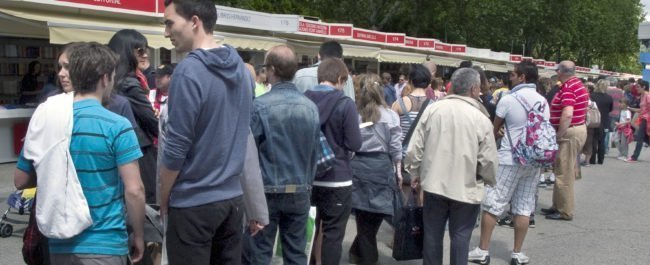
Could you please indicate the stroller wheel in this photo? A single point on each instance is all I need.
(6, 230)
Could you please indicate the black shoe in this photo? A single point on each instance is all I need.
(558, 216)
(506, 222)
(548, 211)
(531, 223)
(550, 182)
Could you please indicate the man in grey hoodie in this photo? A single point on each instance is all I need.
(209, 116)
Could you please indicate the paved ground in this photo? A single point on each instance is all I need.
(610, 227)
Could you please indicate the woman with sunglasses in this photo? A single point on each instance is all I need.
(130, 82)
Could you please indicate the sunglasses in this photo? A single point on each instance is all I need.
(141, 51)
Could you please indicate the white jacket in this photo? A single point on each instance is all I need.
(62, 210)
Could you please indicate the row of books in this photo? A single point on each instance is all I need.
(13, 51)
(20, 69)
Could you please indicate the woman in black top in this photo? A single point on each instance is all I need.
(131, 46)
(605, 105)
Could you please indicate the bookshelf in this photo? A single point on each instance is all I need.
(15, 56)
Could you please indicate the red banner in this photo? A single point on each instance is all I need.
(411, 42)
(459, 48)
(395, 39)
(340, 31)
(516, 58)
(313, 28)
(369, 36)
(443, 47)
(549, 64)
(426, 44)
(539, 62)
(141, 5)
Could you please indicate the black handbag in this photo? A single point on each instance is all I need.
(409, 231)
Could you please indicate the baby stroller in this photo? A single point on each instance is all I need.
(21, 200)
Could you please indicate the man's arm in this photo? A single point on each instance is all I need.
(134, 198)
(565, 121)
(167, 179)
(498, 122)
(488, 160)
(24, 180)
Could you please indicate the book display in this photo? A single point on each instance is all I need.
(15, 56)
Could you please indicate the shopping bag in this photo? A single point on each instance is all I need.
(310, 232)
(409, 231)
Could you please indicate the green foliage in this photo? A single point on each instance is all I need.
(601, 32)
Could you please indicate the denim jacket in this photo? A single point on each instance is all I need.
(286, 128)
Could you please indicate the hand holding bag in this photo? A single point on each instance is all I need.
(409, 231)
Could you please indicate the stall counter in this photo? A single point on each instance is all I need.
(10, 121)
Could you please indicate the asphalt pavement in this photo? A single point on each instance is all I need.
(611, 223)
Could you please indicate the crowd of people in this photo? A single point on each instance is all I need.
(235, 157)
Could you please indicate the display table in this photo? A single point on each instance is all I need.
(9, 117)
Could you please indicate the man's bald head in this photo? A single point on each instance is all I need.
(281, 64)
(432, 67)
(567, 68)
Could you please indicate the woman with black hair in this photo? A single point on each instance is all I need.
(29, 89)
(131, 46)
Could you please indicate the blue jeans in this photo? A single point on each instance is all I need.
(289, 213)
(640, 138)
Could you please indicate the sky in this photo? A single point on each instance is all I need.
(646, 9)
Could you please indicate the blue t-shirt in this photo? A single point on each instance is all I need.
(101, 141)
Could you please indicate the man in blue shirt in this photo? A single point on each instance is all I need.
(105, 152)
(389, 89)
(210, 98)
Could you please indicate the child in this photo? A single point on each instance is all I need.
(624, 130)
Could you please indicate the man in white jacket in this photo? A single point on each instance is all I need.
(104, 154)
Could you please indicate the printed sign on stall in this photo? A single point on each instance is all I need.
(367, 35)
(313, 28)
(395, 38)
(427, 43)
(410, 42)
(341, 30)
(144, 6)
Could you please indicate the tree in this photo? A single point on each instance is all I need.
(601, 32)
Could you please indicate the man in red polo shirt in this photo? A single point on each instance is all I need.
(568, 113)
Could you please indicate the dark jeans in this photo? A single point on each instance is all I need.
(364, 245)
(640, 138)
(333, 207)
(598, 143)
(206, 234)
(147, 164)
(462, 218)
(288, 212)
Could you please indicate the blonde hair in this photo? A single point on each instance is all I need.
(601, 86)
(370, 97)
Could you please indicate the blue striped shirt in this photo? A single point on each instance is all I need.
(101, 141)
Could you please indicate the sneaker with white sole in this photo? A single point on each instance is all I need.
(479, 256)
(519, 258)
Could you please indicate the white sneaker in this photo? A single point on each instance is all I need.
(622, 158)
(519, 258)
(552, 177)
(479, 256)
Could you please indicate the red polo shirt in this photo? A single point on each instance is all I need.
(572, 94)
